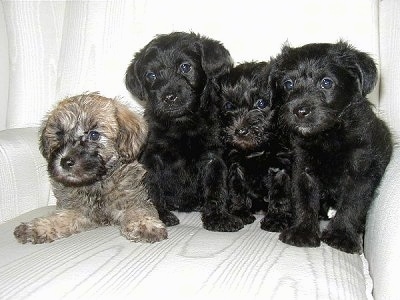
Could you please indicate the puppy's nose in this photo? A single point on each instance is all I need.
(67, 162)
(170, 98)
(302, 112)
(242, 131)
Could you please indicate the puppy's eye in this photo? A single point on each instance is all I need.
(326, 83)
(185, 67)
(60, 135)
(288, 85)
(151, 76)
(229, 106)
(261, 103)
(94, 135)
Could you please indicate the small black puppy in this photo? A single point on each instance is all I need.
(175, 74)
(341, 147)
(256, 154)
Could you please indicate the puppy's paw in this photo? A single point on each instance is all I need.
(342, 240)
(147, 230)
(245, 216)
(275, 223)
(222, 222)
(29, 233)
(168, 218)
(300, 236)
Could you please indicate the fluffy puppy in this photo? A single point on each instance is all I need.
(91, 144)
(257, 156)
(175, 75)
(341, 147)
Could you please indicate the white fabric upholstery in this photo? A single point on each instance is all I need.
(192, 264)
(53, 49)
(23, 173)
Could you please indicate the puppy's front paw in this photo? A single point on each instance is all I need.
(147, 230)
(168, 218)
(29, 233)
(275, 223)
(300, 236)
(342, 240)
(222, 222)
(245, 216)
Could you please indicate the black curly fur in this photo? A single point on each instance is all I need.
(341, 148)
(257, 156)
(174, 74)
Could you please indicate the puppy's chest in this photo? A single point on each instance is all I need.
(93, 205)
(328, 162)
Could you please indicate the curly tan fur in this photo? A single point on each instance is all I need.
(91, 144)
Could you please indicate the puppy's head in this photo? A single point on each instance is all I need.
(171, 72)
(316, 83)
(246, 108)
(85, 136)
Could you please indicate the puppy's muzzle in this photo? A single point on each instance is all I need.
(67, 163)
(170, 98)
(301, 112)
(241, 132)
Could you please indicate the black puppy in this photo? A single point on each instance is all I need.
(175, 74)
(256, 154)
(341, 147)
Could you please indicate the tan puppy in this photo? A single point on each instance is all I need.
(91, 144)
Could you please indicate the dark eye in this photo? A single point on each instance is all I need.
(326, 83)
(151, 76)
(60, 135)
(93, 135)
(229, 106)
(288, 85)
(261, 103)
(185, 67)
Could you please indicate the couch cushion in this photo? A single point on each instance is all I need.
(24, 183)
(193, 263)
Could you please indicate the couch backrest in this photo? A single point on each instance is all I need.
(60, 48)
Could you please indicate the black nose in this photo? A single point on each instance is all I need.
(302, 112)
(67, 163)
(170, 98)
(242, 131)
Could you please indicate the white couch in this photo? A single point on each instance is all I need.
(53, 49)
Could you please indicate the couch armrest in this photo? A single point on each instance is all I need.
(382, 236)
(24, 184)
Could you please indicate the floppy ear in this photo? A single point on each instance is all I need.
(132, 132)
(364, 66)
(368, 71)
(133, 80)
(44, 145)
(215, 58)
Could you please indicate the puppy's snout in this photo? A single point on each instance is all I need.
(302, 112)
(170, 98)
(242, 131)
(67, 163)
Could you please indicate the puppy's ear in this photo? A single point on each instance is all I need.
(363, 64)
(215, 58)
(132, 132)
(133, 81)
(44, 145)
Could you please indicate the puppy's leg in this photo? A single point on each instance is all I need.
(279, 213)
(61, 224)
(343, 231)
(238, 194)
(153, 179)
(215, 216)
(305, 231)
(142, 225)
